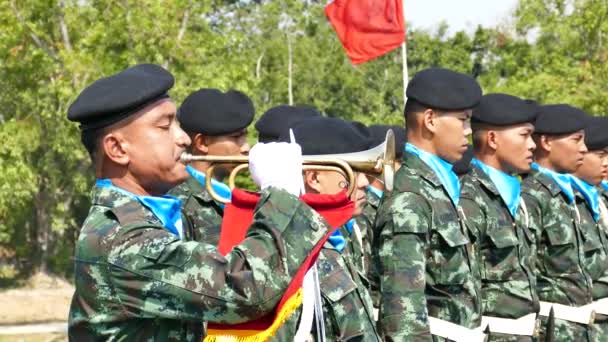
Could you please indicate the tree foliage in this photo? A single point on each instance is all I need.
(553, 51)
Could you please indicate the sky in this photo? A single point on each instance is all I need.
(459, 14)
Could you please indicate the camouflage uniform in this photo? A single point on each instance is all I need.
(560, 274)
(596, 260)
(357, 244)
(424, 257)
(366, 223)
(347, 304)
(505, 251)
(136, 281)
(202, 212)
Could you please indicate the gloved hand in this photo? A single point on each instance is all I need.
(278, 165)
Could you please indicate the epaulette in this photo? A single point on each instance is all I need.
(467, 187)
(544, 182)
(132, 212)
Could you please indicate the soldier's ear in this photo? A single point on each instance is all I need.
(492, 139)
(311, 181)
(114, 147)
(429, 120)
(545, 143)
(200, 143)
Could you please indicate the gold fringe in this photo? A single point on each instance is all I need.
(291, 305)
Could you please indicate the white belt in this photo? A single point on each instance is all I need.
(583, 314)
(525, 325)
(601, 306)
(455, 332)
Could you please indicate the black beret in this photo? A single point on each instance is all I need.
(211, 112)
(111, 99)
(596, 133)
(378, 133)
(533, 103)
(463, 165)
(504, 110)
(361, 128)
(279, 119)
(323, 135)
(444, 89)
(559, 119)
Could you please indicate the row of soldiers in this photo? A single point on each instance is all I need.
(438, 258)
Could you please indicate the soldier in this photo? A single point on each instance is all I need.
(594, 230)
(346, 302)
(136, 276)
(491, 200)
(423, 249)
(374, 193)
(277, 121)
(216, 123)
(562, 283)
(358, 240)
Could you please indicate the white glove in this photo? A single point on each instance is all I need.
(278, 165)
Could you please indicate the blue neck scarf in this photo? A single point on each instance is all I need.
(220, 188)
(349, 225)
(590, 194)
(508, 186)
(378, 193)
(166, 208)
(562, 180)
(604, 185)
(442, 169)
(337, 240)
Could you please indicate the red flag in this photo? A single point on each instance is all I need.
(238, 215)
(367, 28)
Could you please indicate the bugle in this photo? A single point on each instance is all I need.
(379, 160)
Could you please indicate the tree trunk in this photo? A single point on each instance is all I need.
(42, 229)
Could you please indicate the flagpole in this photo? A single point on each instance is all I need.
(404, 58)
(405, 72)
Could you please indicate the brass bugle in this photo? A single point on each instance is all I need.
(379, 160)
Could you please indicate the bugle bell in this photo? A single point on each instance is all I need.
(379, 160)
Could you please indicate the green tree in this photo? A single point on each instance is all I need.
(554, 53)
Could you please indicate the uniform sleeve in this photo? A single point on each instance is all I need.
(157, 275)
(403, 227)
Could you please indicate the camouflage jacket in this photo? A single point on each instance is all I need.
(366, 223)
(424, 257)
(560, 275)
(596, 248)
(203, 213)
(356, 244)
(504, 247)
(347, 305)
(136, 281)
